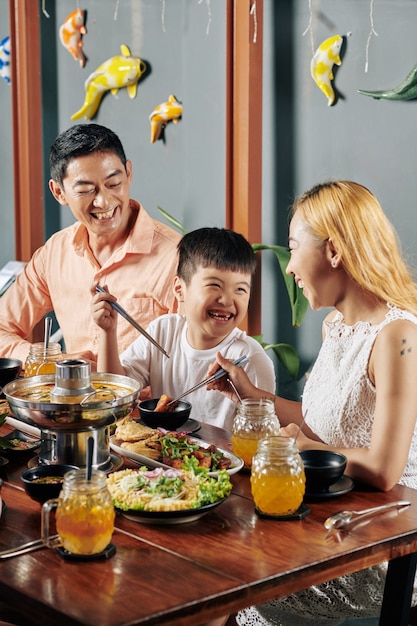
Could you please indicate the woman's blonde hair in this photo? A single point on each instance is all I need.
(351, 216)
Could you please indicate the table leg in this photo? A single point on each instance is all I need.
(398, 591)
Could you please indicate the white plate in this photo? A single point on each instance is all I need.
(237, 462)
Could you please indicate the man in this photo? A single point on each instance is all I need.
(114, 242)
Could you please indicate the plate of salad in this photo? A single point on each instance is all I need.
(171, 449)
(167, 495)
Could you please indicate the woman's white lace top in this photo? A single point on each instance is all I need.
(338, 394)
(340, 400)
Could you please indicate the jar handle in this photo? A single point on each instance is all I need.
(51, 542)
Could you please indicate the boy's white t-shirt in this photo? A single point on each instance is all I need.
(186, 367)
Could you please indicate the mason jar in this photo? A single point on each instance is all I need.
(254, 419)
(84, 513)
(41, 362)
(277, 476)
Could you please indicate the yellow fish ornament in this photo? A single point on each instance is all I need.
(112, 75)
(170, 111)
(326, 55)
(71, 35)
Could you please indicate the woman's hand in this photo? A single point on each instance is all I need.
(102, 312)
(293, 430)
(238, 377)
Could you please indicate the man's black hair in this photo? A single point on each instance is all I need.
(81, 140)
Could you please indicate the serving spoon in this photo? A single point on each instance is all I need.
(345, 518)
(46, 341)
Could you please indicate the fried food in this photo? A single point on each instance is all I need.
(170, 448)
(142, 447)
(135, 437)
(163, 406)
(177, 447)
(129, 430)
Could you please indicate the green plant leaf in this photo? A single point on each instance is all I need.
(298, 301)
(285, 353)
(173, 221)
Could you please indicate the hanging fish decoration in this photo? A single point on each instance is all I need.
(170, 111)
(71, 35)
(406, 91)
(112, 75)
(5, 59)
(326, 55)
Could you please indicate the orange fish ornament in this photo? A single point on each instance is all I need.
(71, 35)
(170, 111)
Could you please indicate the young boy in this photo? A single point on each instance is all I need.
(213, 283)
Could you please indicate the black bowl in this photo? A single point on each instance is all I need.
(42, 491)
(322, 468)
(165, 419)
(9, 370)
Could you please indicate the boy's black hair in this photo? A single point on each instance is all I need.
(81, 140)
(214, 247)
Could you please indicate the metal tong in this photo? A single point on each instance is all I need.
(345, 518)
(31, 546)
(131, 321)
(242, 360)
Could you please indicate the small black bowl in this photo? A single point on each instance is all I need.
(322, 469)
(43, 491)
(9, 370)
(165, 419)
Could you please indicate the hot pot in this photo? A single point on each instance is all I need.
(70, 406)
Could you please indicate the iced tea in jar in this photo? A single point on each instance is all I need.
(40, 361)
(254, 420)
(84, 513)
(277, 476)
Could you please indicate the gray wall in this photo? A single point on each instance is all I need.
(184, 175)
(370, 141)
(305, 141)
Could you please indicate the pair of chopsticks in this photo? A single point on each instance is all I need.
(131, 321)
(242, 360)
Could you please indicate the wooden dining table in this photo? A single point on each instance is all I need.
(187, 573)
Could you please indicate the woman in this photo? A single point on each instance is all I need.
(361, 396)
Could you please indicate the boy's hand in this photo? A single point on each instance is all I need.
(102, 313)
